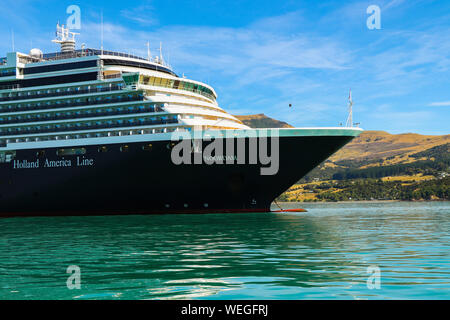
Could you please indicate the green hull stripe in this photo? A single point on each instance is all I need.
(283, 132)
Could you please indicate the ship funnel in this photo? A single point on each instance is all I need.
(65, 38)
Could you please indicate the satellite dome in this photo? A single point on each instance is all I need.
(36, 53)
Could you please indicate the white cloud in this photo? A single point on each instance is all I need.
(143, 15)
(440, 104)
(232, 50)
(393, 3)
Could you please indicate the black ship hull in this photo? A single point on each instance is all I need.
(139, 181)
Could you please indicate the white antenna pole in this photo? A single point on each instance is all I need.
(350, 110)
(101, 30)
(149, 54)
(12, 39)
(160, 51)
(168, 58)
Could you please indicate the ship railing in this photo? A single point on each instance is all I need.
(73, 104)
(85, 127)
(62, 93)
(200, 92)
(61, 56)
(96, 134)
(10, 87)
(7, 73)
(62, 116)
(97, 52)
(112, 76)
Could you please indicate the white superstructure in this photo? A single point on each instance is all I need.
(52, 99)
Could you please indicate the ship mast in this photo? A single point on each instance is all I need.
(349, 122)
(149, 54)
(65, 38)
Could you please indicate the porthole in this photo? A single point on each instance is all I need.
(147, 147)
(171, 145)
(40, 154)
(124, 148)
(103, 149)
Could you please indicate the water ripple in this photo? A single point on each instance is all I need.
(320, 254)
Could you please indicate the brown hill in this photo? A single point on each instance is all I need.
(373, 148)
(262, 121)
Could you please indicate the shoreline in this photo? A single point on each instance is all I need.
(360, 201)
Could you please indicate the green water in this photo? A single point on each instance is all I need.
(322, 254)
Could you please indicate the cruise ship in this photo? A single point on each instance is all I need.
(93, 132)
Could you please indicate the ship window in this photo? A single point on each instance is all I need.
(71, 151)
(171, 145)
(103, 149)
(124, 148)
(147, 147)
(163, 82)
(40, 153)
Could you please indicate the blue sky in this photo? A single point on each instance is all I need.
(261, 56)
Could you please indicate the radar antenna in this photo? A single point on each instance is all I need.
(65, 38)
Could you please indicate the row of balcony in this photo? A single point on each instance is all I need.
(7, 73)
(81, 114)
(13, 108)
(59, 93)
(84, 126)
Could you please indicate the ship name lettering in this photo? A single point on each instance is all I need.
(84, 162)
(25, 164)
(57, 163)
